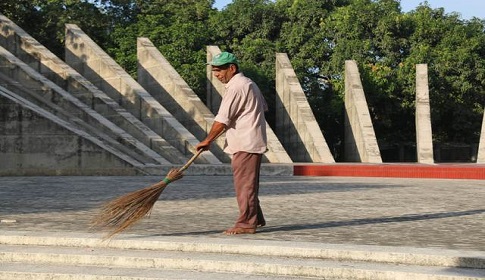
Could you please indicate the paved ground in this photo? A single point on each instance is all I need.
(432, 213)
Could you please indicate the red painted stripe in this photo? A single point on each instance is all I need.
(443, 171)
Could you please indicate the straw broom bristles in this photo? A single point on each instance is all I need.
(121, 213)
(124, 211)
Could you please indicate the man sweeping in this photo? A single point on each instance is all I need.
(241, 115)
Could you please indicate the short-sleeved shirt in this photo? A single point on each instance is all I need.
(242, 111)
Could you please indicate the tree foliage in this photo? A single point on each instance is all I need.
(318, 36)
(45, 19)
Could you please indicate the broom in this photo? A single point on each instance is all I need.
(124, 211)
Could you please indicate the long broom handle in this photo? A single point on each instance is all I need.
(191, 160)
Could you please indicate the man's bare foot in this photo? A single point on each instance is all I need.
(238, 230)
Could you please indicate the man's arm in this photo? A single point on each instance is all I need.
(216, 130)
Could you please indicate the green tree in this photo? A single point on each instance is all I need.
(455, 53)
(374, 34)
(180, 31)
(250, 29)
(45, 19)
(387, 45)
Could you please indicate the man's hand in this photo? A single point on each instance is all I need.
(174, 174)
(204, 145)
(216, 130)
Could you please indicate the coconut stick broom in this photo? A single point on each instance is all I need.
(124, 211)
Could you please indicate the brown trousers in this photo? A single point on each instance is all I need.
(246, 167)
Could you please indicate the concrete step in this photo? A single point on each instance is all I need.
(255, 258)
(225, 263)
(19, 271)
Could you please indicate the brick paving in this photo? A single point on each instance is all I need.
(430, 213)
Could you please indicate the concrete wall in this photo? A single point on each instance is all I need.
(424, 136)
(215, 90)
(23, 46)
(296, 125)
(94, 64)
(36, 142)
(161, 80)
(360, 139)
(26, 82)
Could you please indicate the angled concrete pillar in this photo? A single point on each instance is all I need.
(481, 145)
(94, 64)
(215, 90)
(296, 125)
(162, 81)
(360, 139)
(424, 135)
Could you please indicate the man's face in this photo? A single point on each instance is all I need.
(224, 73)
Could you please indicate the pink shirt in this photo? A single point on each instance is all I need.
(242, 111)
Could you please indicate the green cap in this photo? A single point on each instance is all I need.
(223, 58)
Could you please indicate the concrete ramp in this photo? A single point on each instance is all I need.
(360, 139)
(296, 126)
(94, 64)
(31, 52)
(215, 89)
(37, 142)
(162, 81)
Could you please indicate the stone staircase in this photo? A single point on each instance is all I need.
(85, 256)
